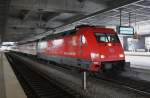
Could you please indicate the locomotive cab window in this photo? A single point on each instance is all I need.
(106, 37)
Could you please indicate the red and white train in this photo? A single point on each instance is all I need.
(86, 47)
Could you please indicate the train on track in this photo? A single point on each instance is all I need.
(92, 48)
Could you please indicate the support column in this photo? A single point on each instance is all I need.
(84, 80)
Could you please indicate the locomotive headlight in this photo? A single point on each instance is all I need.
(94, 55)
(109, 44)
(102, 56)
(121, 55)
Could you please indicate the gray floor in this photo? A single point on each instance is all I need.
(2, 84)
(9, 85)
(97, 88)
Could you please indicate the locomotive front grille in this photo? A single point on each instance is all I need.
(119, 65)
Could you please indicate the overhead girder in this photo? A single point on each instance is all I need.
(14, 22)
(65, 14)
(58, 12)
(68, 6)
(101, 12)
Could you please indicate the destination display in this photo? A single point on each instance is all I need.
(126, 30)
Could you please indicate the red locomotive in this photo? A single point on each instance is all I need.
(87, 47)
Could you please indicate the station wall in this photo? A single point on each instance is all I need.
(140, 44)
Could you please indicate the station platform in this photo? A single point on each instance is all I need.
(9, 85)
(137, 53)
(138, 59)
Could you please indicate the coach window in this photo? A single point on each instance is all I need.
(42, 44)
(83, 39)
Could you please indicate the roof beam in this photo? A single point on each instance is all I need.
(67, 6)
(27, 15)
(134, 12)
(14, 22)
(30, 11)
(116, 6)
(141, 5)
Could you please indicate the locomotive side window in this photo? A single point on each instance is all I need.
(103, 37)
(42, 45)
(83, 39)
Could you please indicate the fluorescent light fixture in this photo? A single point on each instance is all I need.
(8, 43)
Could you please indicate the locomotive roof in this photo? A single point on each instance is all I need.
(53, 36)
(92, 27)
(73, 31)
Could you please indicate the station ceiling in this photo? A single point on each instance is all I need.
(23, 20)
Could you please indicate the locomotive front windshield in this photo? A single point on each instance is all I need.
(106, 37)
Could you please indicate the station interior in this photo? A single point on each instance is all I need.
(25, 21)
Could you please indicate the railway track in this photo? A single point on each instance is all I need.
(34, 85)
(138, 86)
